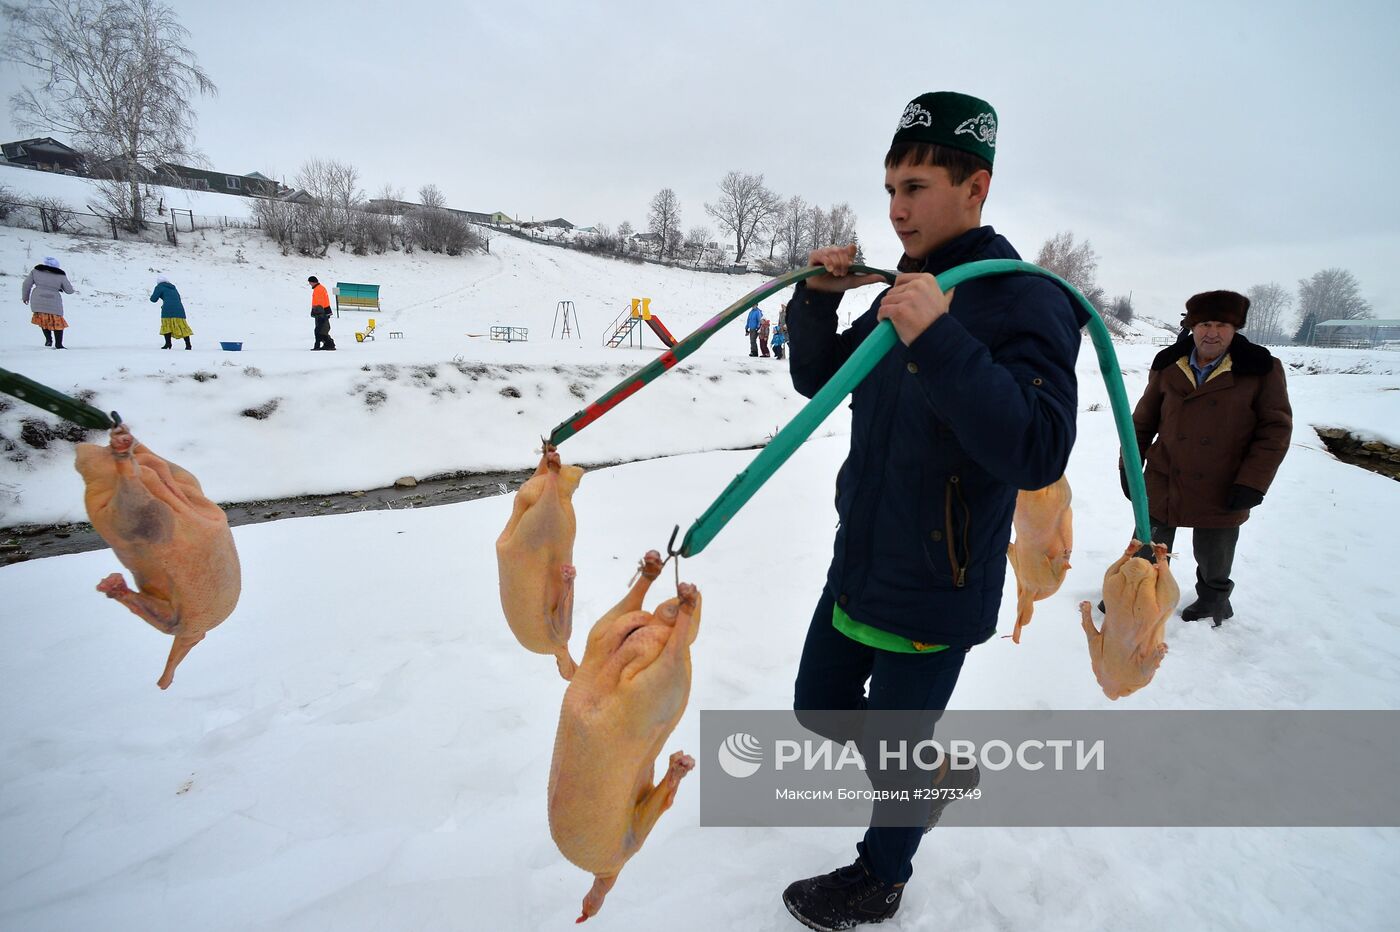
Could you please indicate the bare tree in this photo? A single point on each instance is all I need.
(435, 228)
(843, 224)
(1268, 304)
(1078, 265)
(1332, 294)
(336, 188)
(114, 75)
(665, 221)
(1121, 307)
(792, 228)
(695, 241)
(319, 223)
(278, 219)
(391, 208)
(818, 226)
(744, 206)
(9, 200)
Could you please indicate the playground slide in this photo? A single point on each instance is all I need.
(660, 330)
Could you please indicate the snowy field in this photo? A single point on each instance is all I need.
(363, 745)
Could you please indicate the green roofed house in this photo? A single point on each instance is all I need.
(200, 179)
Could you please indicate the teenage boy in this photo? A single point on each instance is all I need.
(975, 402)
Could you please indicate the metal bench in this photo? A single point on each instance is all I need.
(510, 334)
(356, 297)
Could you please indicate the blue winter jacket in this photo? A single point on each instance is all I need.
(755, 316)
(171, 306)
(943, 434)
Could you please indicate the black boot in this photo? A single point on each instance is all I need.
(1217, 611)
(842, 899)
(48, 337)
(188, 344)
(58, 339)
(946, 789)
(167, 342)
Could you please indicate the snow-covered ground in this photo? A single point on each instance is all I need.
(363, 745)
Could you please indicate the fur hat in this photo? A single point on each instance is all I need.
(1228, 307)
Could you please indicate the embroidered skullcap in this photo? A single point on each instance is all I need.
(947, 118)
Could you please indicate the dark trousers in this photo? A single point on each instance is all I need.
(753, 342)
(1214, 549)
(323, 332)
(833, 675)
(778, 351)
(763, 344)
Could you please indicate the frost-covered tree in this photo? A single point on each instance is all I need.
(1076, 264)
(115, 76)
(1332, 294)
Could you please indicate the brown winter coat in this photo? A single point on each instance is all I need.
(1233, 430)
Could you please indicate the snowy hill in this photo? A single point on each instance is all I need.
(442, 398)
(363, 745)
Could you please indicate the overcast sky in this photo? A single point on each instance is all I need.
(1196, 145)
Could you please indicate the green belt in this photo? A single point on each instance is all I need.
(880, 640)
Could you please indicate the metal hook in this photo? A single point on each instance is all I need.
(673, 554)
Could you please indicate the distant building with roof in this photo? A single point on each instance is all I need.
(46, 154)
(254, 184)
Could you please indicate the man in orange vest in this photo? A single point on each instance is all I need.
(321, 311)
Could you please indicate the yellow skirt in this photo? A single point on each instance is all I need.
(177, 327)
(49, 321)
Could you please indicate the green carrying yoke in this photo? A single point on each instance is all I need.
(858, 366)
(669, 359)
(41, 396)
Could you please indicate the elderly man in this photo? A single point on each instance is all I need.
(1214, 423)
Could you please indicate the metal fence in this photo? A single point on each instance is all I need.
(187, 221)
(52, 216)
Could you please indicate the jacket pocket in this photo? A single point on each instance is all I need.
(957, 520)
(953, 533)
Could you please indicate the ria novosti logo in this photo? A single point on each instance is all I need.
(740, 755)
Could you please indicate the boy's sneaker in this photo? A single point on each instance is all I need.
(954, 779)
(842, 899)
